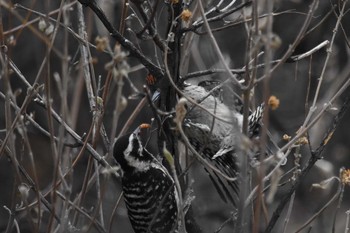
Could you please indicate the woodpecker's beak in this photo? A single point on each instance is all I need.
(140, 133)
(141, 128)
(145, 126)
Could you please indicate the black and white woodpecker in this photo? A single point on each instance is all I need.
(149, 192)
(215, 131)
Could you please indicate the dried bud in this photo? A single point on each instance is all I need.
(122, 104)
(286, 137)
(42, 25)
(49, 30)
(150, 80)
(24, 191)
(101, 43)
(186, 15)
(345, 177)
(145, 126)
(302, 141)
(273, 102)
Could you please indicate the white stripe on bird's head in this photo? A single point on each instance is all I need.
(134, 153)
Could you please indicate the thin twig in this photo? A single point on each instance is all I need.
(30, 94)
(329, 53)
(294, 58)
(216, 46)
(129, 46)
(297, 40)
(317, 214)
(289, 212)
(114, 212)
(347, 228)
(97, 224)
(316, 155)
(200, 22)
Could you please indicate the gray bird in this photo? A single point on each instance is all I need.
(218, 139)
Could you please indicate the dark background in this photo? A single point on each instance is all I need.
(290, 83)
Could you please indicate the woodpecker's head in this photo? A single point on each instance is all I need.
(130, 153)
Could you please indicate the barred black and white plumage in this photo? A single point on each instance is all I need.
(219, 139)
(254, 122)
(149, 192)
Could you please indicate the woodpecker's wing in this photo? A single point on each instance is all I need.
(207, 143)
(211, 135)
(218, 141)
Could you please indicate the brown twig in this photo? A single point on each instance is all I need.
(129, 46)
(316, 155)
(301, 34)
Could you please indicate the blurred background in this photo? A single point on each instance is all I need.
(26, 35)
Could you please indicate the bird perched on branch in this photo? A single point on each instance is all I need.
(214, 130)
(149, 192)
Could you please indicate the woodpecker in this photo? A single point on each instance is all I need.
(218, 139)
(149, 192)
